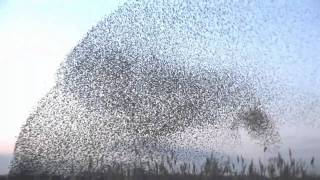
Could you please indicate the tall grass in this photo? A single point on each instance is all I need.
(168, 167)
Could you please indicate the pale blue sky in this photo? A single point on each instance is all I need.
(35, 36)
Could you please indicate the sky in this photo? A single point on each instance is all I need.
(36, 35)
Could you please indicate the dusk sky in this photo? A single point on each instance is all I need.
(36, 35)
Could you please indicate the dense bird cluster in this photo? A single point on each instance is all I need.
(147, 71)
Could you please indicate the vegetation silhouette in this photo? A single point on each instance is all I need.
(214, 167)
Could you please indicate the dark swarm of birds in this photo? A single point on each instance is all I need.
(147, 71)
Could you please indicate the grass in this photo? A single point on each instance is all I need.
(214, 168)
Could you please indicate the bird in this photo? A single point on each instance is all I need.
(265, 149)
(312, 161)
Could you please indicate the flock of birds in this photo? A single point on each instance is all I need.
(148, 71)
